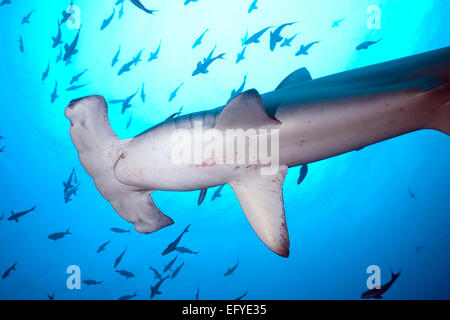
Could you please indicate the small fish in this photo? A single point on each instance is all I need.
(287, 41)
(59, 57)
(2, 149)
(303, 173)
(45, 74)
(54, 94)
(51, 297)
(171, 247)
(189, 1)
(76, 87)
(176, 271)
(2, 216)
(202, 196)
(197, 294)
(119, 258)
(242, 297)
(102, 247)
(57, 40)
(119, 230)
(71, 49)
(108, 20)
(121, 12)
(92, 282)
(419, 248)
(154, 55)
(5, 2)
(366, 45)
(198, 41)
(253, 6)
(241, 55)
(231, 270)
(21, 44)
(8, 271)
(116, 58)
(170, 264)
(174, 93)
(185, 250)
(156, 272)
(255, 38)
(217, 193)
(155, 289)
(67, 14)
(276, 37)
(129, 122)
(77, 77)
(26, 19)
(337, 23)
(237, 92)
(59, 235)
(304, 49)
(126, 274)
(143, 96)
(16, 216)
(128, 296)
(411, 194)
(138, 4)
(377, 292)
(244, 39)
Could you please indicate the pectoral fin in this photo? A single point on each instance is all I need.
(261, 199)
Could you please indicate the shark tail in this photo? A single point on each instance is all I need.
(395, 275)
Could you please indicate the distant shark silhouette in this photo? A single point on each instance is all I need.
(316, 119)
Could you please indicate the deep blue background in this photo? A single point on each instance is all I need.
(351, 211)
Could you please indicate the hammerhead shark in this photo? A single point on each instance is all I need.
(314, 119)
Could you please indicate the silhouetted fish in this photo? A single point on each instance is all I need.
(102, 247)
(303, 173)
(202, 196)
(119, 258)
(376, 293)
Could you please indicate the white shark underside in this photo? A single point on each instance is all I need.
(317, 119)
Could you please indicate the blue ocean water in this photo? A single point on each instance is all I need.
(352, 211)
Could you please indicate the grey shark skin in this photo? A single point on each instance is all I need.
(107, 21)
(59, 235)
(119, 258)
(154, 55)
(7, 273)
(171, 247)
(102, 247)
(316, 119)
(231, 270)
(199, 40)
(138, 4)
(155, 289)
(275, 36)
(377, 293)
(15, 216)
(72, 48)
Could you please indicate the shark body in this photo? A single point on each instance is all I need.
(317, 119)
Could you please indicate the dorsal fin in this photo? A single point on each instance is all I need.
(244, 112)
(300, 75)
